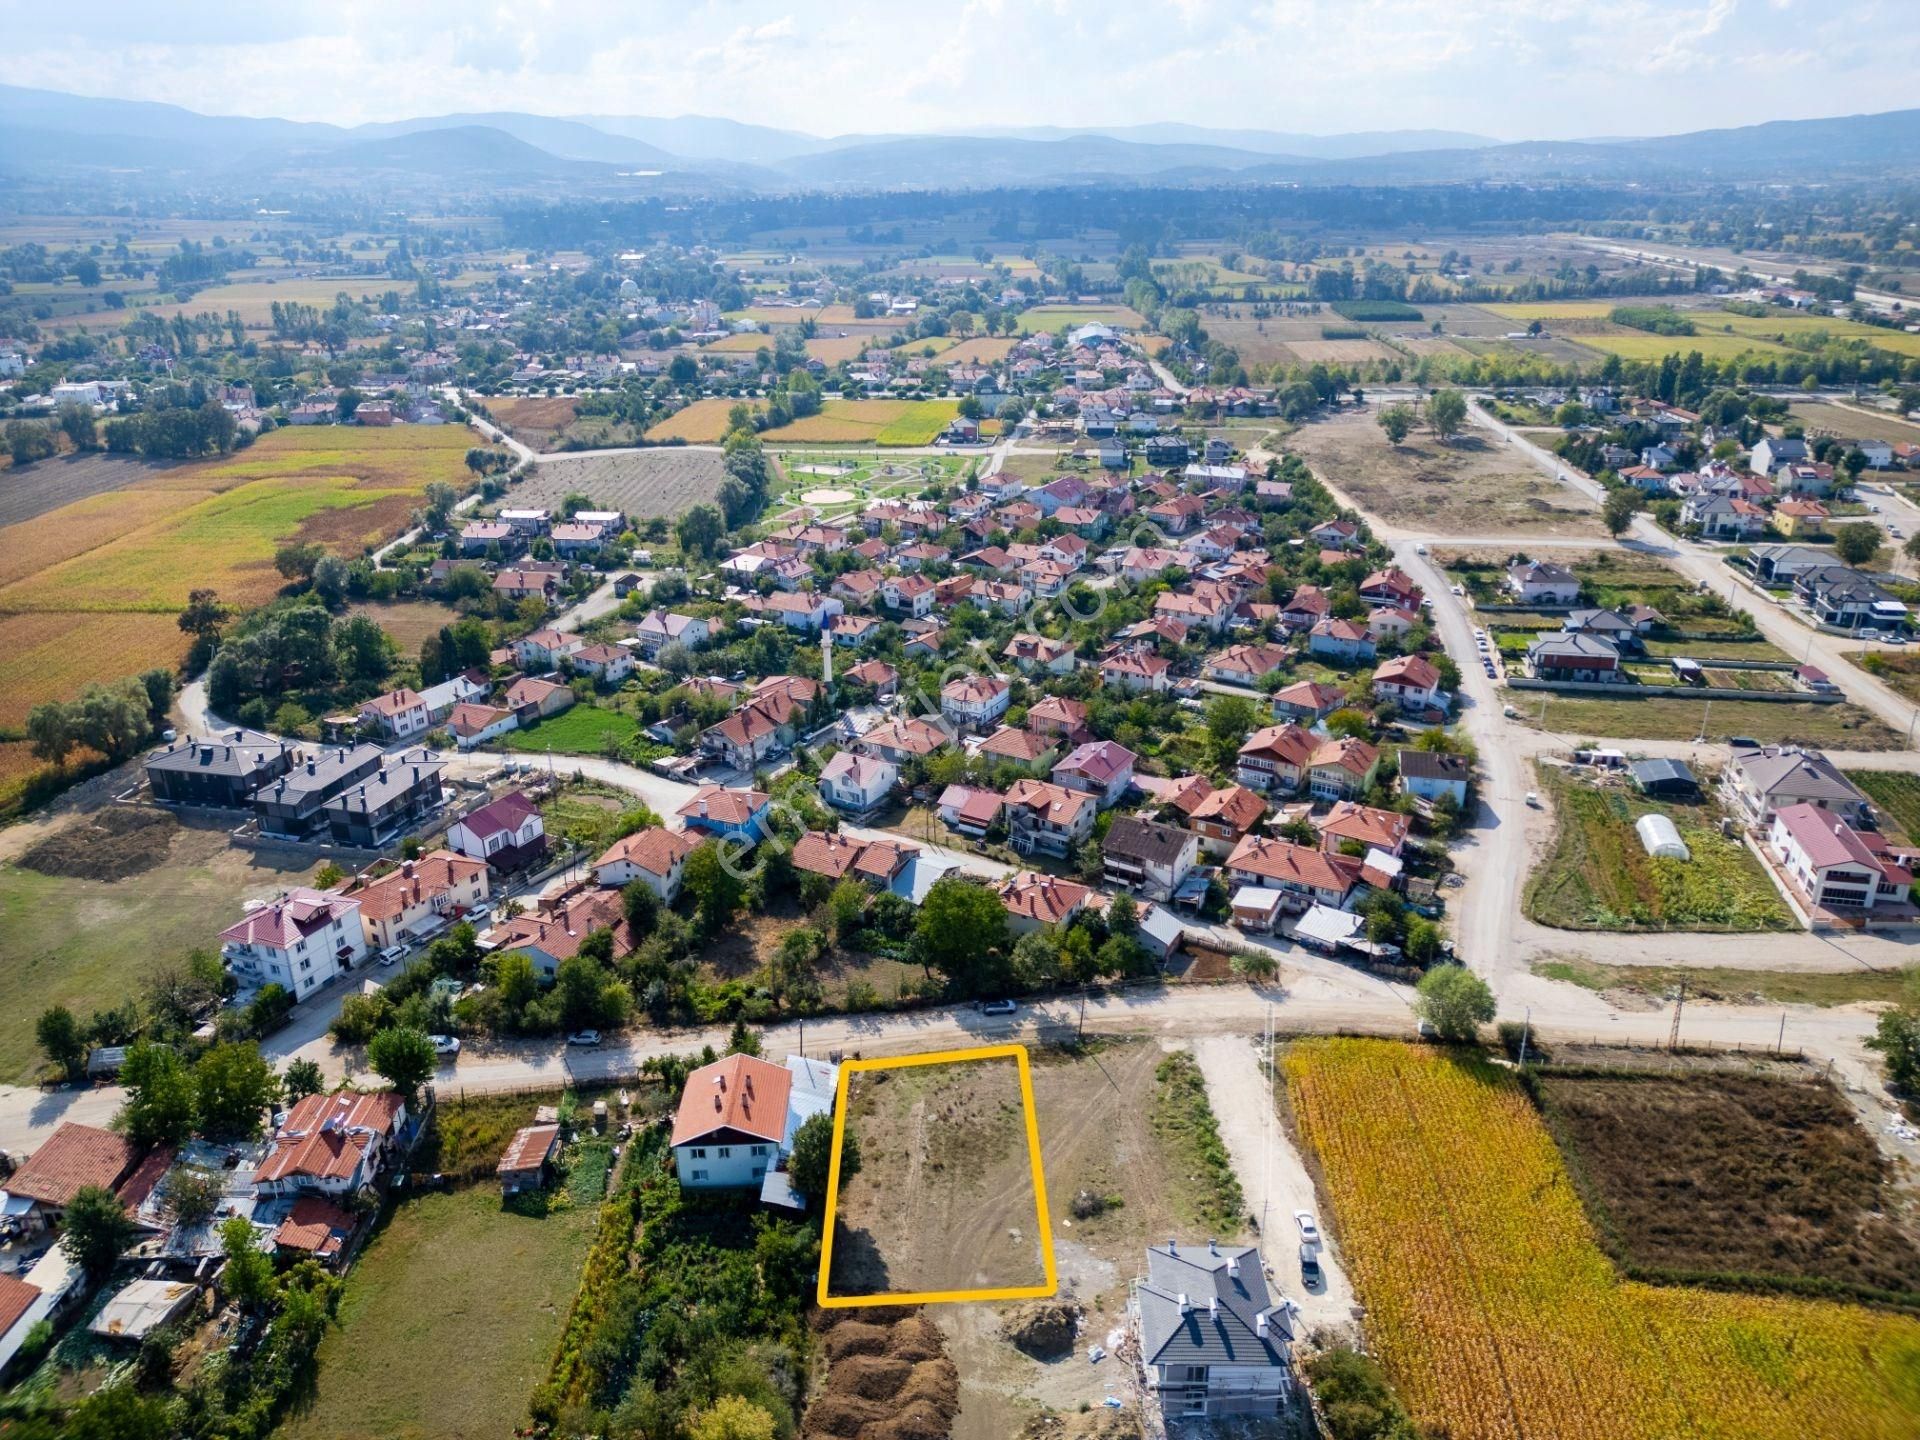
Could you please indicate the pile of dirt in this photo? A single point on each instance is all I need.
(115, 843)
(889, 1378)
(1045, 1331)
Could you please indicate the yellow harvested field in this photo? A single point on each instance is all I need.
(253, 299)
(1339, 352)
(1557, 309)
(1789, 326)
(1637, 345)
(1498, 1316)
(704, 422)
(89, 591)
(832, 349)
(1055, 317)
(746, 342)
(54, 656)
(983, 350)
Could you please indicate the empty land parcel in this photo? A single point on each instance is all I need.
(1496, 1312)
(1469, 487)
(89, 591)
(944, 1199)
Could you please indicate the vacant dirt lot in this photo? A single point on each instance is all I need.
(1116, 1181)
(49, 484)
(944, 1199)
(1469, 486)
(644, 483)
(1736, 1174)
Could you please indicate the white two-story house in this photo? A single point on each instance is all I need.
(300, 941)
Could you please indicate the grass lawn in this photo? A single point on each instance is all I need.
(89, 944)
(1896, 795)
(1597, 876)
(1839, 727)
(870, 422)
(1052, 317)
(583, 730)
(1780, 987)
(1636, 345)
(448, 1322)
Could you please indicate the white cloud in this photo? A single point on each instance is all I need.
(1513, 68)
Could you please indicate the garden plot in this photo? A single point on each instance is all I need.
(1596, 875)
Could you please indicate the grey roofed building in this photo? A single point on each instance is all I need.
(379, 806)
(1149, 855)
(219, 770)
(1211, 1339)
(1663, 777)
(1757, 783)
(291, 805)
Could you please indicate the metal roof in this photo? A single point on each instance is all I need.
(1225, 1295)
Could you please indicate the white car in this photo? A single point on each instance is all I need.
(1457, 589)
(998, 1007)
(587, 1038)
(445, 1044)
(1309, 1232)
(393, 953)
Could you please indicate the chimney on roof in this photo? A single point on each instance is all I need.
(1233, 1267)
(1213, 1246)
(1172, 1249)
(1213, 1307)
(309, 767)
(1186, 1308)
(1260, 1324)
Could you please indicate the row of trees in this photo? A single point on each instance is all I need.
(114, 720)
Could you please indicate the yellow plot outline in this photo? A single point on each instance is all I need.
(1018, 1053)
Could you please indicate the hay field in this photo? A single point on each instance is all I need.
(1636, 345)
(1787, 325)
(254, 300)
(832, 349)
(1856, 424)
(870, 422)
(1549, 310)
(534, 420)
(704, 422)
(1497, 1314)
(1339, 352)
(982, 350)
(745, 342)
(89, 591)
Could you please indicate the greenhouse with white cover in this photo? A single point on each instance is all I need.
(1661, 838)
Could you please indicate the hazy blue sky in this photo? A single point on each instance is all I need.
(1515, 69)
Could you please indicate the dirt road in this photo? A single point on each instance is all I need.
(1274, 1177)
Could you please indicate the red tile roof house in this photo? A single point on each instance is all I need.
(1060, 718)
(1304, 874)
(857, 785)
(1307, 700)
(1245, 664)
(609, 664)
(884, 679)
(656, 856)
(421, 894)
(316, 1228)
(532, 700)
(547, 937)
(67, 1162)
(732, 1124)
(1276, 759)
(877, 862)
(1373, 829)
(1022, 748)
(1341, 769)
(1100, 768)
(1136, 670)
(975, 701)
(1034, 901)
(333, 1144)
(398, 713)
(507, 833)
(1224, 817)
(1412, 682)
(969, 810)
(1048, 818)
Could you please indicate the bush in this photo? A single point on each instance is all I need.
(1654, 319)
(1511, 1032)
(1375, 310)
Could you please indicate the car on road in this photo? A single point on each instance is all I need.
(445, 1044)
(168, 735)
(1457, 589)
(1309, 1266)
(998, 1007)
(393, 953)
(1309, 1231)
(588, 1039)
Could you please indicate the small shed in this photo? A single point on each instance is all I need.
(1663, 777)
(1160, 931)
(1660, 838)
(143, 1307)
(1326, 929)
(1256, 907)
(524, 1165)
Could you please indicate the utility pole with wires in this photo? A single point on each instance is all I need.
(1679, 1002)
(1266, 1177)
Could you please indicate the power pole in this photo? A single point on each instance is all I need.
(1526, 1027)
(1679, 1001)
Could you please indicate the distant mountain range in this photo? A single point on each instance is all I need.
(47, 134)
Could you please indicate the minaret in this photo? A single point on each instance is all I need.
(826, 656)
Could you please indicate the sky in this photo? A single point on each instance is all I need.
(1509, 69)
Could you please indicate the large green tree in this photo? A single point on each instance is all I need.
(962, 933)
(404, 1057)
(162, 1100)
(1454, 1001)
(60, 1037)
(1446, 413)
(812, 1159)
(95, 1230)
(236, 1087)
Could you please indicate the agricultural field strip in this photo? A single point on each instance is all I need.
(1493, 1307)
